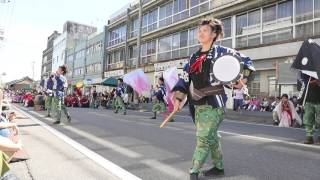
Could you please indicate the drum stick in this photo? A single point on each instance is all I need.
(168, 118)
(176, 109)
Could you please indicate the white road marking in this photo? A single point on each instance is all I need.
(234, 121)
(108, 165)
(257, 138)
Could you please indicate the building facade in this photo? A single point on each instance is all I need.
(47, 54)
(270, 32)
(73, 33)
(85, 61)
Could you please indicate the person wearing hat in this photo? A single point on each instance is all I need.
(159, 100)
(119, 103)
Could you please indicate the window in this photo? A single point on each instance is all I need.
(149, 21)
(198, 6)
(165, 44)
(304, 10)
(183, 39)
(227, 27)
(227, 43)
(180, 10)
(316, 9)
(242, 23)
(269, 14)
(272, 90)
(277, 35)
(254, 39)
(193, 37)
(117, 35)
(116, 56)
(241, 41)
(285, 10)
(165, 14)
(148, 51)
(133, 52)
(304, 30)
(317, 28)
(134, 27)
(70, 58)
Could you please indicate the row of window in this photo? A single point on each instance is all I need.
(273, 23)
(161, 16)
(93, 68)
(117, 35)
(94, 48)
(90, 69)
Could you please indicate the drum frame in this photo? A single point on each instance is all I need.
(233, 80)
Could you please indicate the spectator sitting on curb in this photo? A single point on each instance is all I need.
(264, 105)
(286, 113)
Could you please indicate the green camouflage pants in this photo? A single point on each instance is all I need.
(119, 104)
(59, 104)
(159, 107)
(207, 121)
(49, 103)
(311, 117)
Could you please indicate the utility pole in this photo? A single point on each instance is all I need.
(126, 41)
(139, 34)
(32, 64)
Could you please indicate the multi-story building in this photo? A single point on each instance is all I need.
(94, 62)
(47, 54)
(85, 61)
(72, 33)
(270, 32)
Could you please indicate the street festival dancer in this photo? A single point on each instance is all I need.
(119, 103)
(307, 61)
(60, 87)
(209, 109)
(48, 86)
(159, 99)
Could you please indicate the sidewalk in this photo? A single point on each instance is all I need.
(52, 158)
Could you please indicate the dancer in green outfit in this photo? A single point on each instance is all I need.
(159, 102)
(208, 112)
(119, 103)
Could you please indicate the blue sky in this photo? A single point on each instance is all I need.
(28, 23)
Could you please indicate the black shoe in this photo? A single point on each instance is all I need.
(69, 118)
(309, 140)
(56, 122)
(124, 113)
(48, 115)
(172, 120)
(194, 176)
(115, 112)
(213, 172)
(153, 117)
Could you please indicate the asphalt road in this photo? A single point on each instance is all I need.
(137, 144)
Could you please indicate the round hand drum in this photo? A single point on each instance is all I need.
(227, 69)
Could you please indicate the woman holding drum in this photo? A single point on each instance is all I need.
(210, 69)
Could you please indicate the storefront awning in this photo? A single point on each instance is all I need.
(111, 81)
